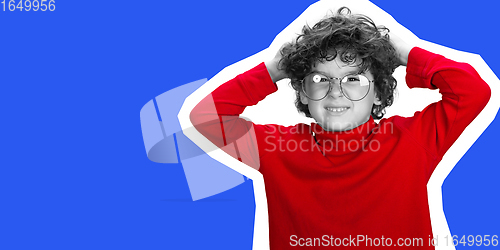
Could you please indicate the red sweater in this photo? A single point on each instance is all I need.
(325, 188)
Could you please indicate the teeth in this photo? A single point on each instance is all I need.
(336, 109)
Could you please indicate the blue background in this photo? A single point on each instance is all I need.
(74, 172)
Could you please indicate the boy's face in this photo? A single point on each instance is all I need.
(335, 112)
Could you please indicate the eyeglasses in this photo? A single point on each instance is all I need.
(316, 86)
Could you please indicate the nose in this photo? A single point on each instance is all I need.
(335, 90)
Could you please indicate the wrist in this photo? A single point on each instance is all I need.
(404, 52)
(275, 73)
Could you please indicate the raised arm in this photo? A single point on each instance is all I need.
(217, 115)
(464, 95)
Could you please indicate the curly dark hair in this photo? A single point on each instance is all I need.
(351, 36)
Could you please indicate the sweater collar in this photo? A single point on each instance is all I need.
(343, 141)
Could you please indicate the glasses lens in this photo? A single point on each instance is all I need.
(316, 86)
(355, 87)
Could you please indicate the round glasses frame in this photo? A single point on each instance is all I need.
(330, 86)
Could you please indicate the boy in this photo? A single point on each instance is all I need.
(346, 180)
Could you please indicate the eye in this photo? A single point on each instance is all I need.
(319, 78)
(354, 79)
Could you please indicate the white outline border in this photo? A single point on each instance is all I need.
(311, 16)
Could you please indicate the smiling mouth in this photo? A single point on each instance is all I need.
(337, 110)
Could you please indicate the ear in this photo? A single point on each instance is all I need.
(376, 101)
(303, 99)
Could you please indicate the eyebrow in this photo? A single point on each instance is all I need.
(355, 72)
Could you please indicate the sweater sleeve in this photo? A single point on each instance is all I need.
(217, 116)
(464, 95)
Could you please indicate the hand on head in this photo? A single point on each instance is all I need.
(402, 48)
